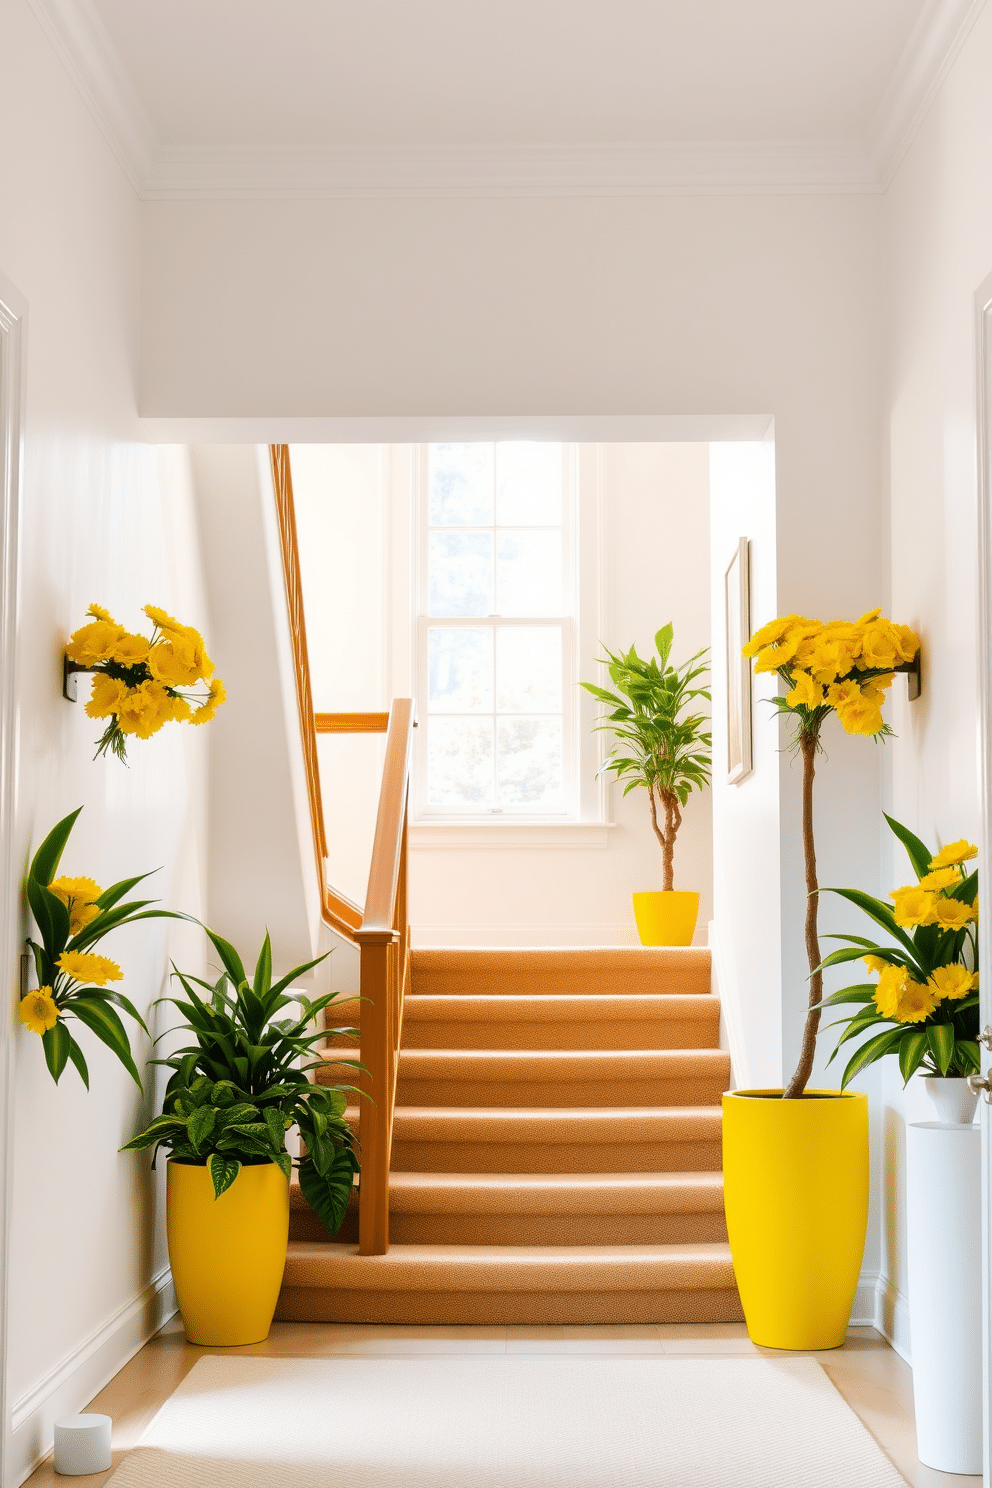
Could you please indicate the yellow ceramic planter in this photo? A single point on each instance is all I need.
(796, 1196)
(666, 917)
(227, 1254)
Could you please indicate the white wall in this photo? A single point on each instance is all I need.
(107, 518)
(939, 247)
(648, 507)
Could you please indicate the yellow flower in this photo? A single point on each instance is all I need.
(913, 905)
(953, 914)
(875, 688)
(163, 620)
(861, 717)
(99, 613)
(769, 634)
(144, 709)
(908, 642)
(93, 643)
(38, 1011)
(83, 967)
(79, 895)
(784, 650)
(843, 694)
(105, 696)
(805, 693)
(830, 653)
(876, 963)
(880, 644)
(898, 996)
(180, 660)
(130, 649)
(954, 981)
(954, 852)
(217, 696)
(941, 878)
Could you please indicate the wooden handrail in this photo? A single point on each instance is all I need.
(382, 931)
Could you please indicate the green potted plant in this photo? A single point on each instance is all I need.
(796, 1160)
(924, 1006)
(662, 746)
(73, 915)
(234, 1093)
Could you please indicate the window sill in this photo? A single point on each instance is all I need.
(455, 836)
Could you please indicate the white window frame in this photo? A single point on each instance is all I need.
(423, 812)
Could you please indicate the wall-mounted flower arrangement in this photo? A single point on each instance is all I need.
(142, 683)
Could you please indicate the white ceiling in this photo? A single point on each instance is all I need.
(233, 97)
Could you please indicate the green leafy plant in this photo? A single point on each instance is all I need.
(236, 1091)
(73, 915)
(924, 1006)
(660, 745)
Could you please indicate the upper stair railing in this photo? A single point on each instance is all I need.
(382, 929)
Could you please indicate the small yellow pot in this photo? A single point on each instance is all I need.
(227, 1254)
(796, 1194)
(666, 917)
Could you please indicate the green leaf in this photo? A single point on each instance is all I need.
(919, 854)
(76, 1055)
(883, 916)
(101, 1019)
(941, 1040)
(110, 896)
(200, 1125)
(56, 1045)
(328, 1195)
(46, 860)
(230, 960)
(262, 980)
(223, 1171)
(875, 1048)
(863, 992)
(284, 1163)
(912, 1052)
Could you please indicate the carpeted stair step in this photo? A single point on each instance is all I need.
(555, 1021)
(610, 970)
(604, 1077)
(446, 1284)
(539, 1209)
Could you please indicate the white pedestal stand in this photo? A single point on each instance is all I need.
(944, 1227)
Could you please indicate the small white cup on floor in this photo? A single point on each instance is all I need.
(82, 1445)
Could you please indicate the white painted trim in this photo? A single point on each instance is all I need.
(660, 428)
(722, 167)
(512, 836)
(892, 1316)
(983, 418)
(82, 1374)
(13, 363)
(584, 934)
(89, 56)
(725, 986)
(935, 41)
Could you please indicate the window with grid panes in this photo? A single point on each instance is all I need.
(496, 631)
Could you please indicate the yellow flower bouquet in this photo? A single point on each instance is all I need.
(841, 667)
(924, 1006)
(142, 683)
(72, 915)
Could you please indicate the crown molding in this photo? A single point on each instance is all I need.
(928, 56)
(775, 167)
(89, 56)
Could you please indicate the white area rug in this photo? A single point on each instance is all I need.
(463, 1422)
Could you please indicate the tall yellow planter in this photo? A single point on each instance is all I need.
(666, 917)
(796, 1196)
(227, 1254)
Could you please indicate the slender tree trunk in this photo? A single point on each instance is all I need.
(666, 838)
(809, 743)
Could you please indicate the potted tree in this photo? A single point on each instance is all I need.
(233, 1095)
(663, 747)
(796, 1160)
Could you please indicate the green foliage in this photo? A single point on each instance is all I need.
(243, 1083)
(660, 745)
(96, 1007)
(944, 1042)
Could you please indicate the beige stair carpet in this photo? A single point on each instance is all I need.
(556, 1149)
(506, 1423)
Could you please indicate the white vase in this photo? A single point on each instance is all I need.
(944, 1231)
(952, 1099)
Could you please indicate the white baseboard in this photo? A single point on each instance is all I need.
(72, 1384)
(892, 1317)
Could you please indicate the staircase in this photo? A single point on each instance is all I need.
(556, 1150)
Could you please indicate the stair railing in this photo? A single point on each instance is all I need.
(382, 929)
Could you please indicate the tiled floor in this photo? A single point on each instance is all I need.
(874, 1381)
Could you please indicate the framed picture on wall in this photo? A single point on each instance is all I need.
(737, 594)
